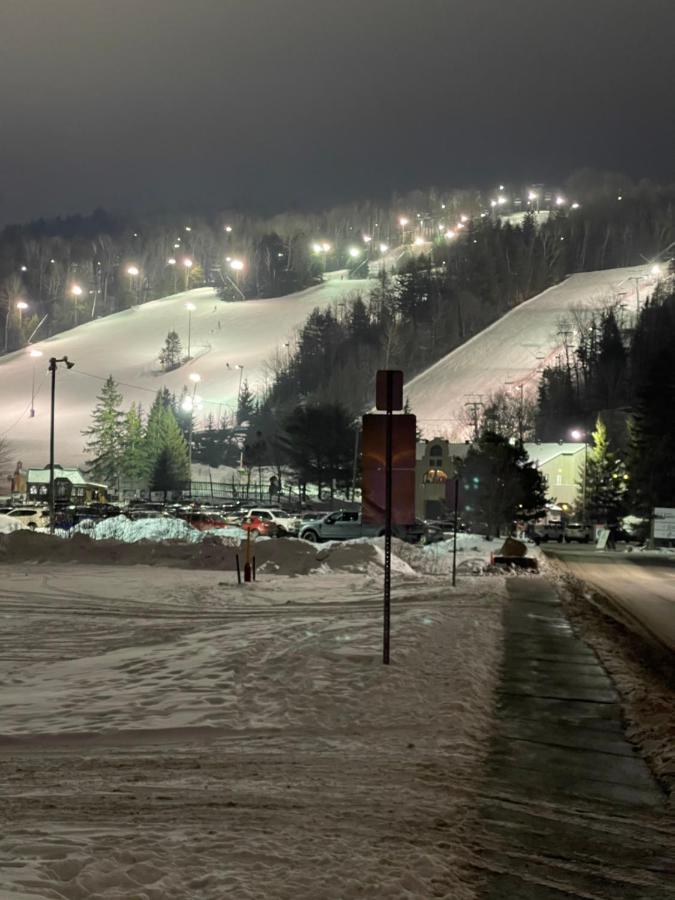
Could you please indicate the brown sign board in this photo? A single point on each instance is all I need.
(389, 389)
(373, 485)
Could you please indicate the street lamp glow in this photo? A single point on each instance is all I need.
(354, 252)
(36, 353)
(493, 203)
(449, 234)
(237, 265)
(21, 304)
(577, 434)
(463, 218)
(195, 376)
(187, 228)
(655, 270)
(76, 290)
(501, 200)
(575, 206)
(24, 268)
(317, 248)
(532, 196)
(191, 307)
(187, 263)
(228, 228)
(384, 248)
(559, 201)
(367, 239)
(419, 241)
(459, 225)
(133, 271)
(403, 221)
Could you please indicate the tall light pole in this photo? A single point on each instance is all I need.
(187, 265)
(521, 409)
(403, 222)
(53, 363)
(190, 308)
(35, 355)
(189, 406)
(133, 272)
(171, 261)
(577, 434)
(21, 305)
(76, 291)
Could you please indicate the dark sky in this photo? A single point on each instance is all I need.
(145, 104)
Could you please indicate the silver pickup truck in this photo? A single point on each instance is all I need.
(345, 525)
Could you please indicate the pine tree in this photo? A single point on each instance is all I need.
(605, 480)
(106, 446)
(171, 354)
(133, 449)
(166, 452)
(245, 405)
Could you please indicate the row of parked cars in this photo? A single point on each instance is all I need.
(272, 521)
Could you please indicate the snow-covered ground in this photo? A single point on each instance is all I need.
(127, 344)
(514, 349)
(168, 735)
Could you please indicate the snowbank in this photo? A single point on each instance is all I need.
(8, 524)
(129, 531)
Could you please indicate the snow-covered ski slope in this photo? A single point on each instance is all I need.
(126, 345)
(515, 348)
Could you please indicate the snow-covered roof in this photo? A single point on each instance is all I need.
(540, 454)
(41, 476)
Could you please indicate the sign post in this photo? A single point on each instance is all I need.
(454, 536)
(388, 397)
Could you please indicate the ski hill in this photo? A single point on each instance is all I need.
(514, 349)
(126, 345)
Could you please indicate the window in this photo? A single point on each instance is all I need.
(436, 457)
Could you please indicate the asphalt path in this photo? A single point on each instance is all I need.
(640, 585)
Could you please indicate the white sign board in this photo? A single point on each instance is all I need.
(664, 523)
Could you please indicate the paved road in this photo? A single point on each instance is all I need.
(641, 585)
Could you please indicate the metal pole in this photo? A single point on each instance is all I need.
(583, 490)
(52, 510)
(189, 331)
(454, 536)
(355, 463)
(387, 521)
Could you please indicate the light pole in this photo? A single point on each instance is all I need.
(53, 362)
(76, 291)
(133, 272)
(190, 308)
(189, 406)
(403, 222)
(577, 435)
(187, 264)
(21, 305)
(521, 416)
(35, 354)
(171, 261)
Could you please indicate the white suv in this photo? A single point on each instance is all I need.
(285, 522)
(30, 516)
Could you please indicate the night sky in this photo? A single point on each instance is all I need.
(157, 104)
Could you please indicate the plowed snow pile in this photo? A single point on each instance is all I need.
(9, 524)
(120, 528)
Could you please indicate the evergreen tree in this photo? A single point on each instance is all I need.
(320, 445)
(245, 404)
(171, 354)
(499, 483)
(605, 480)
(133, 445)
(170, 467)
(106, 440)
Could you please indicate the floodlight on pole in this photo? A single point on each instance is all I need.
(190, 308)
(35, 355)
(187, 265)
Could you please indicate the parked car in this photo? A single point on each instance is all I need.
(578, 531)
(543, 532)
(346, 525)
(285, 522)
(30, 516)
(260, 526)
(202, 519)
